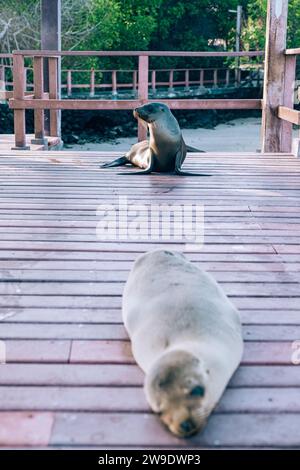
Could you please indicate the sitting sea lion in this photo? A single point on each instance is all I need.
(166, 149)
(186, 336)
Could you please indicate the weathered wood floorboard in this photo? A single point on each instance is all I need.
(70, 379)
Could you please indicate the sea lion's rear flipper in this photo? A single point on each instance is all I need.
(193, 149)
(146, 171)
(118, 162)
(179, 159)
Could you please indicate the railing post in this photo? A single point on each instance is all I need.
(92, 83)
(114, 83)
(39, 114)
(54, 92)
(187, 80)
(134, 83)
(2, 77)
(18, 94)
(143, 91)
(273, 128)
(171, 84)
(69, 82)
(227, 77)
(153, 82)
(201, 77)
(215, 78)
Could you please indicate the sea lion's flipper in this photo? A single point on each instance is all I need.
(184, 173)
(193, 149)
(146, 171)
(118, 162)
(179, 159)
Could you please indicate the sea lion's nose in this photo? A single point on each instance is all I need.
(187, 426)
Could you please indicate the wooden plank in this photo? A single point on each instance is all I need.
(19, 114)
(288, 114)
(145, 429)
(51, 53)
(120, 375)
(119, 352)
(39, 115)
(113, 316)
(295, 51)
(132, 399)
(111, 288)
(56, 104)
(143, 73)
(22, 351)
(25, 428)
(84, 331)
(55, 115)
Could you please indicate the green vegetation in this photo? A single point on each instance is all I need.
(142, 25)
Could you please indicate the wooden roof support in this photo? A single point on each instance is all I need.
(279, 76)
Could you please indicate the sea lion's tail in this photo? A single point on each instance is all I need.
(118, 162)
(193, 149)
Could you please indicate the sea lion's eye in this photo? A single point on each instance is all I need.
(197, 391)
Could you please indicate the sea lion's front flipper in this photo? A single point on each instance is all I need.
(179, 159)
(118, 162)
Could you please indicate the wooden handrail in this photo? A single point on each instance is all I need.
(295, 51)
(289, 115)
(33, 53)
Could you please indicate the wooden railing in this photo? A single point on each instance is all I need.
(287, 112)
(163, 78)
(40, 101)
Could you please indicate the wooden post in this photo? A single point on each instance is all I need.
(171, 83)
(227, 77)
(114, 83)
(201, 77)
(92, 83)
(51, 41)
(273, 128)
(2, 77)
(69, 82)
(18, 94)
(134, 82)
(187, 80)
(143, 91)
(153, 82)
(215, 78)
(55, 120)
(38, 82)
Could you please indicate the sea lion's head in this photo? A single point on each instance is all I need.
(152, 112)
(177, 389)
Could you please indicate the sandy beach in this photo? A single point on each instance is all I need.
(239, 135)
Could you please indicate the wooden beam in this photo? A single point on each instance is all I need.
(272, 126)
(58, 53)
(55, 115)
(19, 113)
(143, 92)
(289, 115)
(50, 40)
(39, 114)
(131, 104)
(295, 51)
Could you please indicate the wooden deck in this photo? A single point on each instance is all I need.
(70, 380)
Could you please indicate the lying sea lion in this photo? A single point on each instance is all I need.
(165, 151)
(186, 336)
